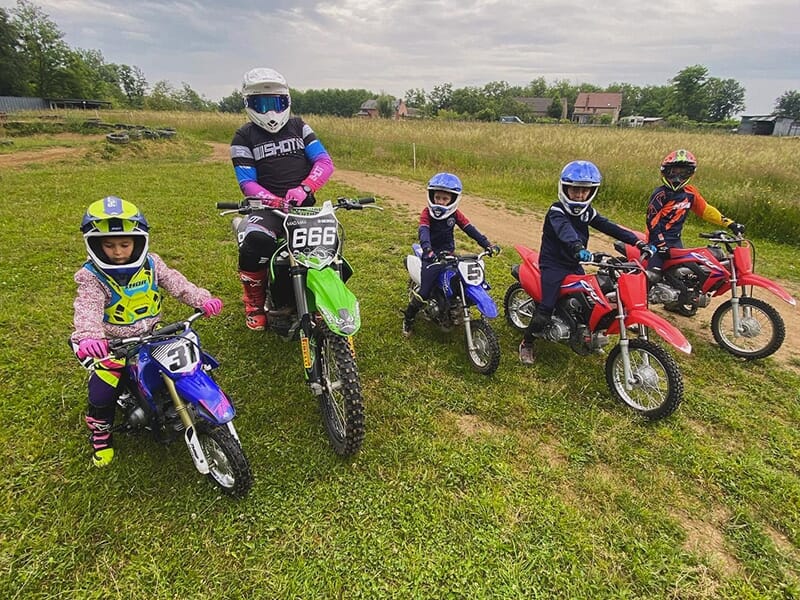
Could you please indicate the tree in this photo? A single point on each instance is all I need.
(386, 105)
(133, 84)
(689, 93)
(415, 97)
(43, 44)
(788, 105)
(725, 98)
(441, 97)
(13, 65)
(232, 104)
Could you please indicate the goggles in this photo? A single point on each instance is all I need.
(264, 103)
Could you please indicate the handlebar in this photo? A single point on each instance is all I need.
(722, 236)
(341, 202)
(117, 344)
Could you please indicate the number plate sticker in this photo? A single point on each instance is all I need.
(179, 355)
(314, 239)
(471, 271)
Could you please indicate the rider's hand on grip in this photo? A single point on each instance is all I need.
(494, 250)
(646, 250)
(583, 255)
(96, 348)
(736, 228)
(428, 254)
(212, 307)
(296, 196)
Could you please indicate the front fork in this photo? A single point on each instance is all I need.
(189, 432)
(624, 344)
(737, 317)
(467, 321)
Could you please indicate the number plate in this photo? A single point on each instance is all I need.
(471, 271)
(178, 355)
(313, 239)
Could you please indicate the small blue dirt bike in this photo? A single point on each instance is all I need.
(167, 388)
(461, 285)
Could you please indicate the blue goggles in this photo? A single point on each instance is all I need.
(265, 103)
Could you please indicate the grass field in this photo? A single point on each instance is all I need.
(531, 483)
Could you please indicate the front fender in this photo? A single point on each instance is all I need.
(767, 284)
(337, 304)
(657, 323)
(201, 390)
(482, 300)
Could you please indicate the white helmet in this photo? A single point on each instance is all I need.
(266, 98)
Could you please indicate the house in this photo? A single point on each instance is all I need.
(590, 106)
(639, 121)
(537, 106)
(768, 125)
(369, 109)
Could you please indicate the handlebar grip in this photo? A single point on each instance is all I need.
(228, 205)
(367, 200)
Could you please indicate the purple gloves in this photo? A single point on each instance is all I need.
(211, 307)
(96, 348)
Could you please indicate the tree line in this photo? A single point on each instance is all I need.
(36, 61)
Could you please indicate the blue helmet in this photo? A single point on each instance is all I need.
(444, 182)
(578, 173)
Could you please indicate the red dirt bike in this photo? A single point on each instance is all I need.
(745, 326)
(591, 307)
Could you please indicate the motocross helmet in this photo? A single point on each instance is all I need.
(445, 182)
(266, 98)
(677, 169)
(578, 173)
(113, 216)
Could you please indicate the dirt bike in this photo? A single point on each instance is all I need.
(307, 301)
(167, 388)
(591, 307)
(460, 286)
(745, 326)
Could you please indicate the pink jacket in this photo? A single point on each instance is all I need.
(93, 296)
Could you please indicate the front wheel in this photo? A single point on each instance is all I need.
(761, 328)
(519, 306)
(228, 466)
(655, 389)
(485, 354)
(341, 403)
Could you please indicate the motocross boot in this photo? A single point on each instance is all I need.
(527, 354)
(254, 297)
(100, 439)
(410, 314)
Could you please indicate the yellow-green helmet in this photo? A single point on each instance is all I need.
(113, 216)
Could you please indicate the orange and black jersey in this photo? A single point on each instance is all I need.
(667, 210)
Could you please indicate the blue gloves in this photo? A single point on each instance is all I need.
(583, 255)
(646, 250)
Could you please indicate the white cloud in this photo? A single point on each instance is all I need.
(395, 45)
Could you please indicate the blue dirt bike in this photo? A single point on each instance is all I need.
(167, 388)
(461, 285)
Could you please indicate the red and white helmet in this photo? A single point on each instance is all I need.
(266, 98)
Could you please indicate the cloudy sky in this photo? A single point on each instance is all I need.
(393, 45)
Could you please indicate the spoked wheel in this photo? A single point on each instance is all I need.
(519, 306)
(656, 387)
(761, 328)
(341, 403)
(485, 356)
(228, 466)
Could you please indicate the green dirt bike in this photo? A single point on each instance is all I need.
(307, 301)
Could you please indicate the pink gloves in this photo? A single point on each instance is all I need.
(211, 307)
(96, 348)
(296, 196)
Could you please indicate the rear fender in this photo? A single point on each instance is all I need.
(657, 323)
(337, 304)
(529, 274)
(414, 268)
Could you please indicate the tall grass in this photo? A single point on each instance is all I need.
(531, 483)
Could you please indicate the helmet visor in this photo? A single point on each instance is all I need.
(264, 103)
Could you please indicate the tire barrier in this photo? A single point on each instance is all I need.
(119, 137)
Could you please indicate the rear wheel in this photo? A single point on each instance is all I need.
(341, 403)
(519, 306)
(761, 331)
(228, 466)
(655, 389)
(485, 356)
